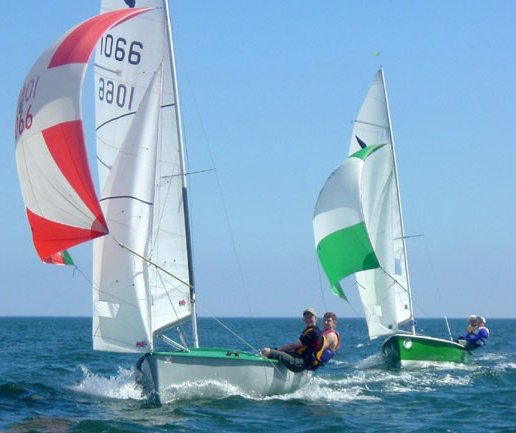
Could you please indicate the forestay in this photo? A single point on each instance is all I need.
(141, 272)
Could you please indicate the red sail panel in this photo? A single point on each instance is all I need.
(66, 145)
(80, 42)
(51, 237)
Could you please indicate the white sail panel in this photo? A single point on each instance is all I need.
(125, 62)
(384, 292)
(338, 205)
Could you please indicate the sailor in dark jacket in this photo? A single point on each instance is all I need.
(300, 355)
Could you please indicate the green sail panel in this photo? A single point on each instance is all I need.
(345, 252)
(366, 151)
(62, 258)
(342, 240)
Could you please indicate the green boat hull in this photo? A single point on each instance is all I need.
(163, 373)
(405, 350)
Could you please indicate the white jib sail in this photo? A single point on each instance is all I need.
(126, 60)
(384, 292)
(122, 313)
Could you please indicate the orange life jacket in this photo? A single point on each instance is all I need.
(323, 356)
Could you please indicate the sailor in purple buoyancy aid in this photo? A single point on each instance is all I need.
(331, 339)
(476, 337)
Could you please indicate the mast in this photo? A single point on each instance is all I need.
(413, 328)
(183, 178)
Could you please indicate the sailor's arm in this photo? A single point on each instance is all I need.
(291, 346)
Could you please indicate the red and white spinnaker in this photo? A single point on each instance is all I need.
(55, 179)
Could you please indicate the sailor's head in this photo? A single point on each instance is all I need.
(481, 320)
(472, 319)
(309, 312)
(310, 317)
(329, 320)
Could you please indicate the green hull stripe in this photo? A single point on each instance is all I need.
(345, 252)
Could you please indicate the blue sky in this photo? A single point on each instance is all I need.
(268, 92)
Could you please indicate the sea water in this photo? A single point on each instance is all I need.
(52, 381)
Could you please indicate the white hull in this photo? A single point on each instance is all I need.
(163, 372)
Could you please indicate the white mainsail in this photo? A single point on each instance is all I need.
(127, 314)
(383, 287)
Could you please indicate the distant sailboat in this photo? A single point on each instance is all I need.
(142, 263)
(358, 228)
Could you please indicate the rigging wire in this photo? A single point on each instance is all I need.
(254, 349)
(222, 324)
(223, 201)
(320, 282)
(227, 328)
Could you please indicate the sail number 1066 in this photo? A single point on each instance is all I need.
(120, 49)
(113, 93)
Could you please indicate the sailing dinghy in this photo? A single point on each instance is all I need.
(143, 279)
(358, 229)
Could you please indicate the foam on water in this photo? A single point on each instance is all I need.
(122, 386)
(365, 383)
(408, 382)
(506, 366)
(318, 389)
(498, 358)
(336, 389)
(374, 361)
(439, 365)
(205, 389)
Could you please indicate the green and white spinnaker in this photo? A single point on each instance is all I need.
(343, 244)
